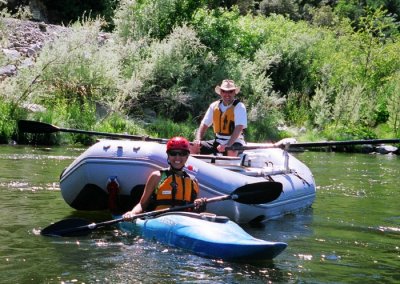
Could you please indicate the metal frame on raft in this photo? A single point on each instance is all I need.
(258, 170)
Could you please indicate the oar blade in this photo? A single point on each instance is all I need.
(29, 126)
(258, 193)
(68, 228)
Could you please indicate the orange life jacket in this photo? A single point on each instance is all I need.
(224, 122)
(174, 190)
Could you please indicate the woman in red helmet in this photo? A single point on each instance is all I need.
(172, 186)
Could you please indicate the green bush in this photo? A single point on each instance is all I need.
(75, 68)
(7, 122)
(321, 107)
(66, 114)
(165, 78)
(348, 132)
(265, 129)
(228, 34)
(288, 8)
(152, 18)
(166, 128)
(117, 123)
(393, 104)
(296, 109)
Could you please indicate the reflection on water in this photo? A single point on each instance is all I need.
(350, 235)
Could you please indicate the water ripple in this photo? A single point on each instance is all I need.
(26, 186)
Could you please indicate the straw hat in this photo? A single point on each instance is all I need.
(227, 85)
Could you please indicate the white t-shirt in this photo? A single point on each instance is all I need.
(240, 119)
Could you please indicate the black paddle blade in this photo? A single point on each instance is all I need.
(29, 126)
(257, 193)
(68, 228)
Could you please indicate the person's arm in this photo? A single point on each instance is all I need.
(200, 204)
(195, 146)
(201, 132)
(205, 123)
(151, 184)
(235, 135)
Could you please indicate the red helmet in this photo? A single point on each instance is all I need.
(178, 143)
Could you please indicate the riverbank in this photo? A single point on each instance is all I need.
(26, 39)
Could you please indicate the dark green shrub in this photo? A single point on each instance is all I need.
(153, 18)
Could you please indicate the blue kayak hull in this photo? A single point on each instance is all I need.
(205, 235)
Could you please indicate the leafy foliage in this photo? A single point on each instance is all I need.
(321, 106)
(165, 128)
(164, 77)
(348, 132)
(337, 73)
(393, 104)
(7, 124)
(230, 35)
(296, 109)
(136, 19)
(289, 8)
(74, 68)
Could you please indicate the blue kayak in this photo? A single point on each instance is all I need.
(204, 234)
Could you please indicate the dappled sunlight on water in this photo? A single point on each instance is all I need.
(350, 235)
(25, 186)
(33, 157)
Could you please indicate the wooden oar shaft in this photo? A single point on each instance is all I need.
(317, 144)
(114, 135)
(41, 127)
(349, 142)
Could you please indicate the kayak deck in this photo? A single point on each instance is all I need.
(206, 235)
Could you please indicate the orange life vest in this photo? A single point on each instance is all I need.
(224, 122)
(174, 190)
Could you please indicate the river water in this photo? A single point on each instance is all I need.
(350, 235)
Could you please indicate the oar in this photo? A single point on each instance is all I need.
(315, 144)
(253, 193)
(30, 126)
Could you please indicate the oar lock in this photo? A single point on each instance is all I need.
(92, 226)
(234, 196)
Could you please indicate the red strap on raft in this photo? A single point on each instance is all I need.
(113, 191)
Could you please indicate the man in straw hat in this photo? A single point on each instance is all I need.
(228, 117)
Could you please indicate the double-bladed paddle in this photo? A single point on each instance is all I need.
(253, 193)
(30, 126)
